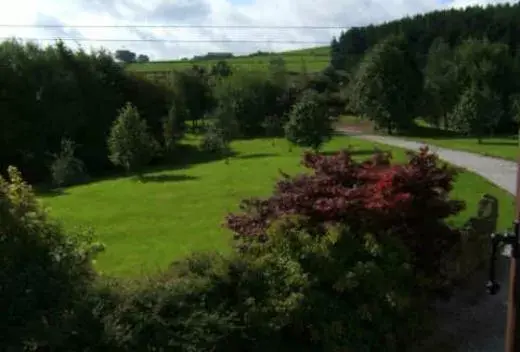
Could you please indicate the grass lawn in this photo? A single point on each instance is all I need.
(503, 148)
(174, 212)
(500, 147)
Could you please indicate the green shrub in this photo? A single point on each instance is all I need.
(309, 123)
(359, 294)
(130, 144)
(66, 169)
(213, 140)
(45, 272)
(210, 303)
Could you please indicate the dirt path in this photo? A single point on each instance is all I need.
(475, 321)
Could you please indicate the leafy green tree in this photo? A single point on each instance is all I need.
(130, 144)
(245, 99)
(482, 63)
(440, 83)
(388, 85)
(125, 56)
(309, 124)
(192, 91)
(477, 113)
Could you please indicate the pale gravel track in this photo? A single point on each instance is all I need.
(477, 326)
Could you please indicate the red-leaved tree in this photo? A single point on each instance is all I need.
(410, 201)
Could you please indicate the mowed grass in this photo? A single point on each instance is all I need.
(499, 147)
(504, 147)
(145, 226)
(315, 59)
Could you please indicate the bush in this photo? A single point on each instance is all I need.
(356, 291)
(66, 169)
(214, 140)
(208, 303)
(309, 122)
(130, 144)
(45, 272)
(408, 201)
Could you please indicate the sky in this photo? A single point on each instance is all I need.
(202, 25)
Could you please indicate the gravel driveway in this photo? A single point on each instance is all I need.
(477, 326)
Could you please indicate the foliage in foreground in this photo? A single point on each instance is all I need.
(344, 258)
(370, 197)
(45, 272)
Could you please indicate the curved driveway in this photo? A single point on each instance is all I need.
(476, 327)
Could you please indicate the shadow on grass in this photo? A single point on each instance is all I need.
(509, 143)
(368, 152)
(187, 155)
(437, 133)
(47, 192)
(164, 178)
(255, 156)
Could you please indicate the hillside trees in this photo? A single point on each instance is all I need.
(388, 85)
(498, 23)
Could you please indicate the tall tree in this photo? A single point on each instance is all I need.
(130, 144)
(440, 82)
(478, 112)
(143, 58)
(309, 123)
(125, 56)
(488, 67)
(388, 85)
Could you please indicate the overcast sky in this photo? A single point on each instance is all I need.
(185, 42)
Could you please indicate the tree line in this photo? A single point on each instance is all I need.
(56, 102)
(446, 66)
(498, 23)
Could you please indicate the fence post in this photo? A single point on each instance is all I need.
(513, 323)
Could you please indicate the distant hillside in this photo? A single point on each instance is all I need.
(499, 23)
(314, 59)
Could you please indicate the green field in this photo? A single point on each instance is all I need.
(179, 210)
(314, 59)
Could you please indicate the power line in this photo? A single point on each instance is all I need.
(167, 26)
(171, 40)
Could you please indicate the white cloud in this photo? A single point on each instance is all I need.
(186, 42)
